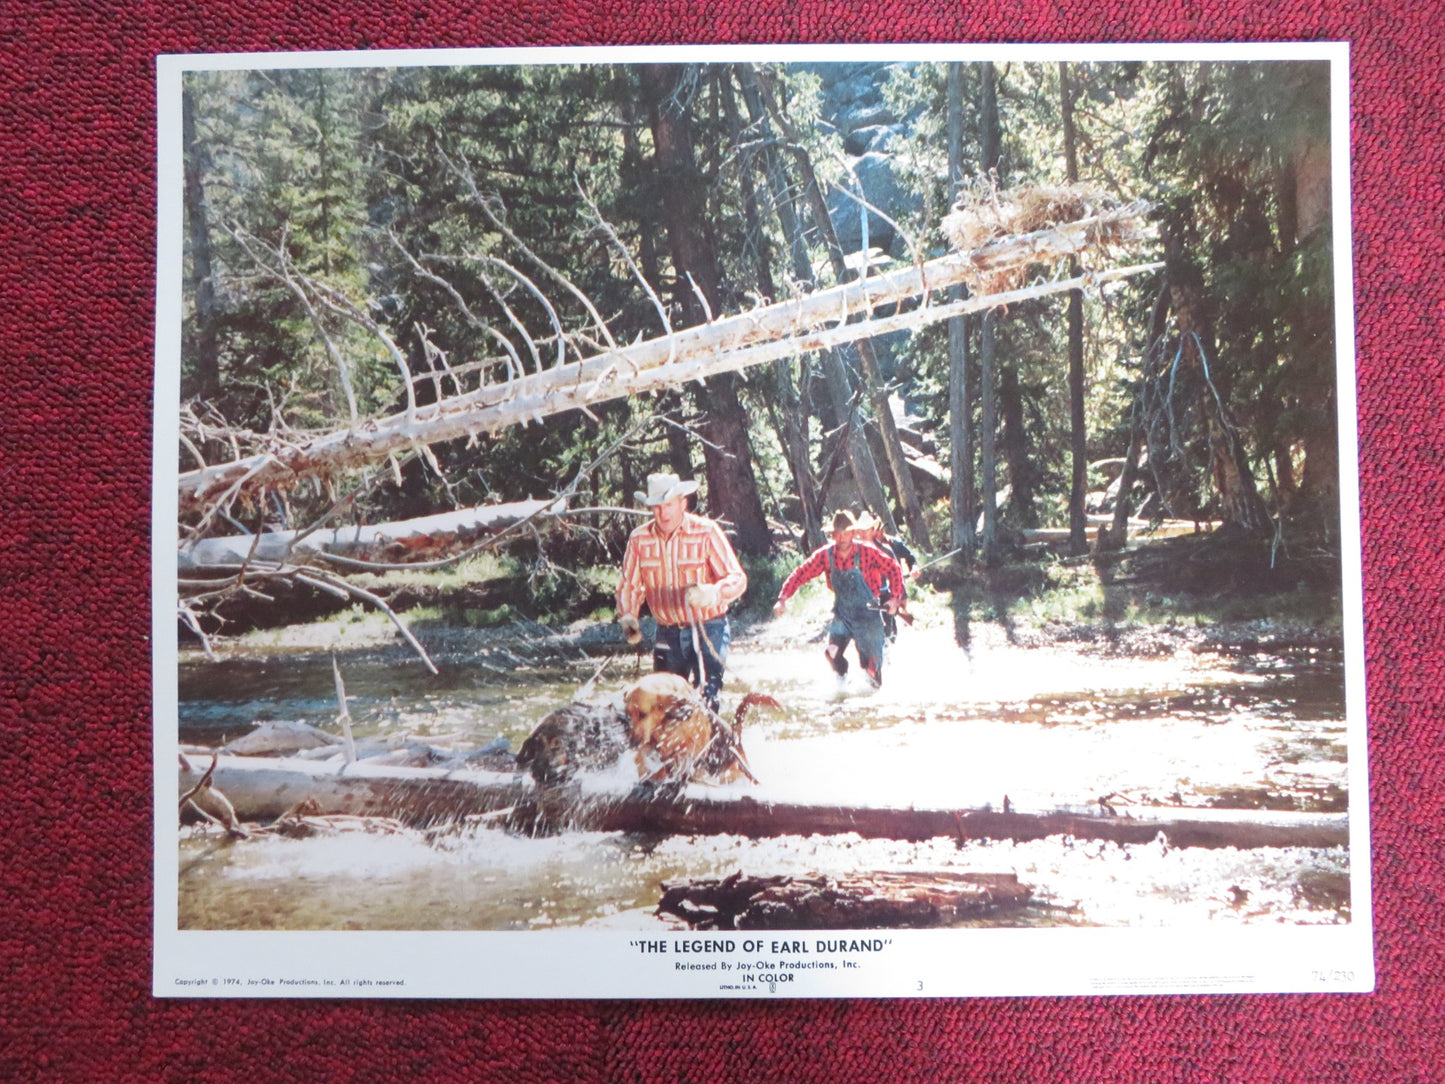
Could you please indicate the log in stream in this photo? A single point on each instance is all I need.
(882, 900)
(265, 788)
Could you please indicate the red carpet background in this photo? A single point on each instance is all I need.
(77, 197)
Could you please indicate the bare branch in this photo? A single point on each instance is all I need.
(325, 581)
(471, 317)
(344, 715)
(281, 271)
(465, 175)
(205, 779)
(611, 234)
(338, 302)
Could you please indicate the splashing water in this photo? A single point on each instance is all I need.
(1049, 727)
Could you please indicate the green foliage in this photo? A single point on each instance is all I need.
(1243, 153)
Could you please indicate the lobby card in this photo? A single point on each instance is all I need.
(726, 522)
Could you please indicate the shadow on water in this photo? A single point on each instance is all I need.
(1001, 589)
(982, 700)
(961, 606)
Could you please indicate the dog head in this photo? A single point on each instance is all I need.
(578, 736)
(649, 701)
(547, 752)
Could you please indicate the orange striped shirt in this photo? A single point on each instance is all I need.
(660, 569)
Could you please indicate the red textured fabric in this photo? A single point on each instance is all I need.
(77, 195)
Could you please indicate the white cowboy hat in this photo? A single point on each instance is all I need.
(664, 487)
(866, 521)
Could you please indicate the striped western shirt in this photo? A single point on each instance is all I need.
(660, 569)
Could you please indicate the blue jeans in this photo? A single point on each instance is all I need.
(676, 653)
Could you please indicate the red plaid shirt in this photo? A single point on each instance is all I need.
(877, 567)
(660, 569)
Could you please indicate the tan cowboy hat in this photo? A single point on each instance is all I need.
(843, 521)
(866, 521)
(664, 487)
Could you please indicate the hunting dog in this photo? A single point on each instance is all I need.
(578, 737)
(670, 723)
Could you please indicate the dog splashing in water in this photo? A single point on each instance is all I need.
(673, 735)
(580, 736)
(670, 726)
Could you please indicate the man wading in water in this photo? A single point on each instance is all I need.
(856, 573)
(684, 568)
(868, 529)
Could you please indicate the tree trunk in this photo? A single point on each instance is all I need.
(1119, 531)
(1240, 504)
(203, 348)
(679, 445)
(1002, 383)
(1304, 199)
(1078, 525)
(1320, 478)
(903, 487)
(836, 386)
(1015, 446)
(960, 420)
(857, 901)
(732, 487)
(988, 437)
(988, 423)
(400, 541)
(789, 420)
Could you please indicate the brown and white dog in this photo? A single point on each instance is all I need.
(670, 723)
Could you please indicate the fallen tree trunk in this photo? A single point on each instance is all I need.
(810, 322)
(423, 538)
(552, 810)
(885, 900)
(264, 788)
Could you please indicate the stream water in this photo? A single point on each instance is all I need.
(1048, 727)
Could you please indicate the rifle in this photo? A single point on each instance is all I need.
(883, 598)
(907, 617)
(938, 560)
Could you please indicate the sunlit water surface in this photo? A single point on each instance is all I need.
(1049, 728)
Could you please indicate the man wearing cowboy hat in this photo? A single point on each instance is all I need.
(869, 528)
(684, 568)
(856, 573)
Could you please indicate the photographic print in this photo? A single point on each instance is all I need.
(758, 521)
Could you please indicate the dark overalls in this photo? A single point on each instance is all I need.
(855, 617)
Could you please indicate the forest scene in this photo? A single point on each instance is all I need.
(1065, 331)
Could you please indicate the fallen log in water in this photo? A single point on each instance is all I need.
(864, 901)
(263, 788)
(554, 809)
